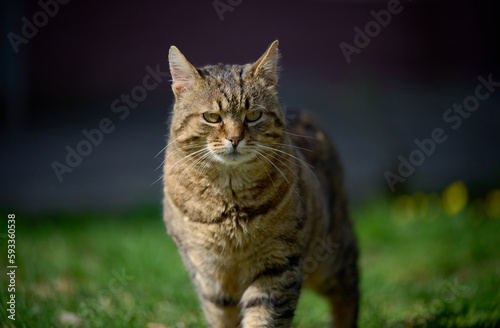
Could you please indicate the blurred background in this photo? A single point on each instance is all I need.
(69, 66)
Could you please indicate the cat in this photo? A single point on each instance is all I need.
(254, 198)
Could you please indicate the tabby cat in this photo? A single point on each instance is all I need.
(254, 198)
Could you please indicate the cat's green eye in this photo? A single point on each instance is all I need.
(212, 117)
(253, 116)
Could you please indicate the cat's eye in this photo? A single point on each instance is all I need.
(212, 117)
(253, 116)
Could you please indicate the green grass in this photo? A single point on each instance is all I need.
(107, 270)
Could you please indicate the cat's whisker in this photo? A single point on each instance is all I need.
(161, 177)
(288, 160)
(202, 163)
(186, 170)
(295, 162)
(190, 161)
(188, 147)
(187, 157)
(300, 135)
(177, 150)
(163, 149)
(292, 146)
(294, 173)
(284, 176)
(165, 173)
(205, 167)
(283, 157)
(267, 172)
(286, 153)
(161, 165)
(308, 166)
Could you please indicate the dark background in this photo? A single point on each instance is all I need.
(66, 77)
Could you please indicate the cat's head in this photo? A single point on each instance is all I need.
(228, 112)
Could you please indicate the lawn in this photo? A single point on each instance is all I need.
(424, 263)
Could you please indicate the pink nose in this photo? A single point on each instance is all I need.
(235, 139)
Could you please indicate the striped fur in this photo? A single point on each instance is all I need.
(255, 206)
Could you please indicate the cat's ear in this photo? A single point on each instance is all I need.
(266, 66)
(184, 74)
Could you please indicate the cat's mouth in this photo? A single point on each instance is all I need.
(234, 156)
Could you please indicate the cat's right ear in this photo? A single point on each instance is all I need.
(183, 73)
(266, 66)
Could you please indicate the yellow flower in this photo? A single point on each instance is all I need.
(454, 198)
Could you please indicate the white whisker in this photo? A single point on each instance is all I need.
(293, 146)
(184, 158)
(161, 177)
(300, 135)
(284, 176)
(257, 157)
(163, 149)
(308, 166)
(205, 167)
(177, 150)
(284, 152)
(287, 165)
(186, 170)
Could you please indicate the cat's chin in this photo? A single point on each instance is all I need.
(234, 158)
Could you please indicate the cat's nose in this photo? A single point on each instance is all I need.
(235, 139)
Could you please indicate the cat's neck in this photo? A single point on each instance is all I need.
(234, 178)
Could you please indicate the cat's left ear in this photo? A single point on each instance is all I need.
(183, 73)
(266, 66)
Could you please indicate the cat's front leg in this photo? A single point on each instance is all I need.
(270, 301)
(220, 312)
